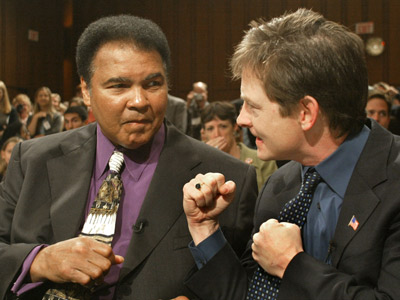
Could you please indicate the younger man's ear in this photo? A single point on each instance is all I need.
(309, 109)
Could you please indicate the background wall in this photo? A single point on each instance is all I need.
(201, 33)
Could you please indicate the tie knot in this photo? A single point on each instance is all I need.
(116, 161)
(311, 179)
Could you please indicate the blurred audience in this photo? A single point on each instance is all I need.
(196, 100)
(6, 151)
(378, 108)
(16, 129)
(75, 117)
(8, 114)
(77, 100)
(45, 119)
(57, 104)
(23, 106)
(219, 130)
(392, 97)
(176, 112)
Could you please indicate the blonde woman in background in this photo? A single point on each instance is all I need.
(7, 113)
(23, 106)
(45, 119)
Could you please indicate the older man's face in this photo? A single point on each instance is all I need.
(128, 93)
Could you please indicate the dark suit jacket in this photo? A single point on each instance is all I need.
(365, 262)
(44, 197)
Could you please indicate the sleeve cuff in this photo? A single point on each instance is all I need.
(20, 286)
(207, 248)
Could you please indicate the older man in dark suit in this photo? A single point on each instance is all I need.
(123, 63)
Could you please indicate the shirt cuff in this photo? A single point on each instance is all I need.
(207, 249)
(20, 286)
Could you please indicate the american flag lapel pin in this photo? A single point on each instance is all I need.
(353, 223)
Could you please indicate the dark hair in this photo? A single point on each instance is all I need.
(80, 110)
(141, 33)
(378, 94)
(12, 130)
(221, 110)
(302, 54)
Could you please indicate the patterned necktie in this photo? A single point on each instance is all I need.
(100, 225)
(264, 285)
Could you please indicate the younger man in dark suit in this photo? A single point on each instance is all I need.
(123, 63)
(304, 85)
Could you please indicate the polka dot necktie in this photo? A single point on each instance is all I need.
(263, 285)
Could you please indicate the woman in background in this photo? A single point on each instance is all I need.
(23, 106)
(45, 120)
(8, 114)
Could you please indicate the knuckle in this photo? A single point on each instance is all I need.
(79, 248)
(97, 273)
(107, 265)
(86, 280)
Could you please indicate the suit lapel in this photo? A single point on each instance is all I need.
(361, 198)
(69, 176)
(163, 203)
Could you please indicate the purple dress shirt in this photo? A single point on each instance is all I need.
(136, 176)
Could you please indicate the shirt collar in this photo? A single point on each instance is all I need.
(135, 160)
(342, 162)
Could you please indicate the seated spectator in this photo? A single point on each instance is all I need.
(45, 119)
(219, 129)
(57, 104)
(378, 108)
(16, 129)
(196, 101)
(6, 151)
(75, 117)
(387, 89)
(8, 114)
(79, 101)
(23, 106)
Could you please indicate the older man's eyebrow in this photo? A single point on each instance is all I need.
(154, 75)
(117, 80)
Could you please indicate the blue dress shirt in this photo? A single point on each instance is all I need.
(335, 171)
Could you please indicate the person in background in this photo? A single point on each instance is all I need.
(8, 114)
(176, 112)
(378, 108)
(196, 100)
(219, 130)
(327, 223)
(45, 119)
(123, 63)
(77, 101)
(57, 103)
(23, 106)
(16, 129)
(6, 150)
(75, 117)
